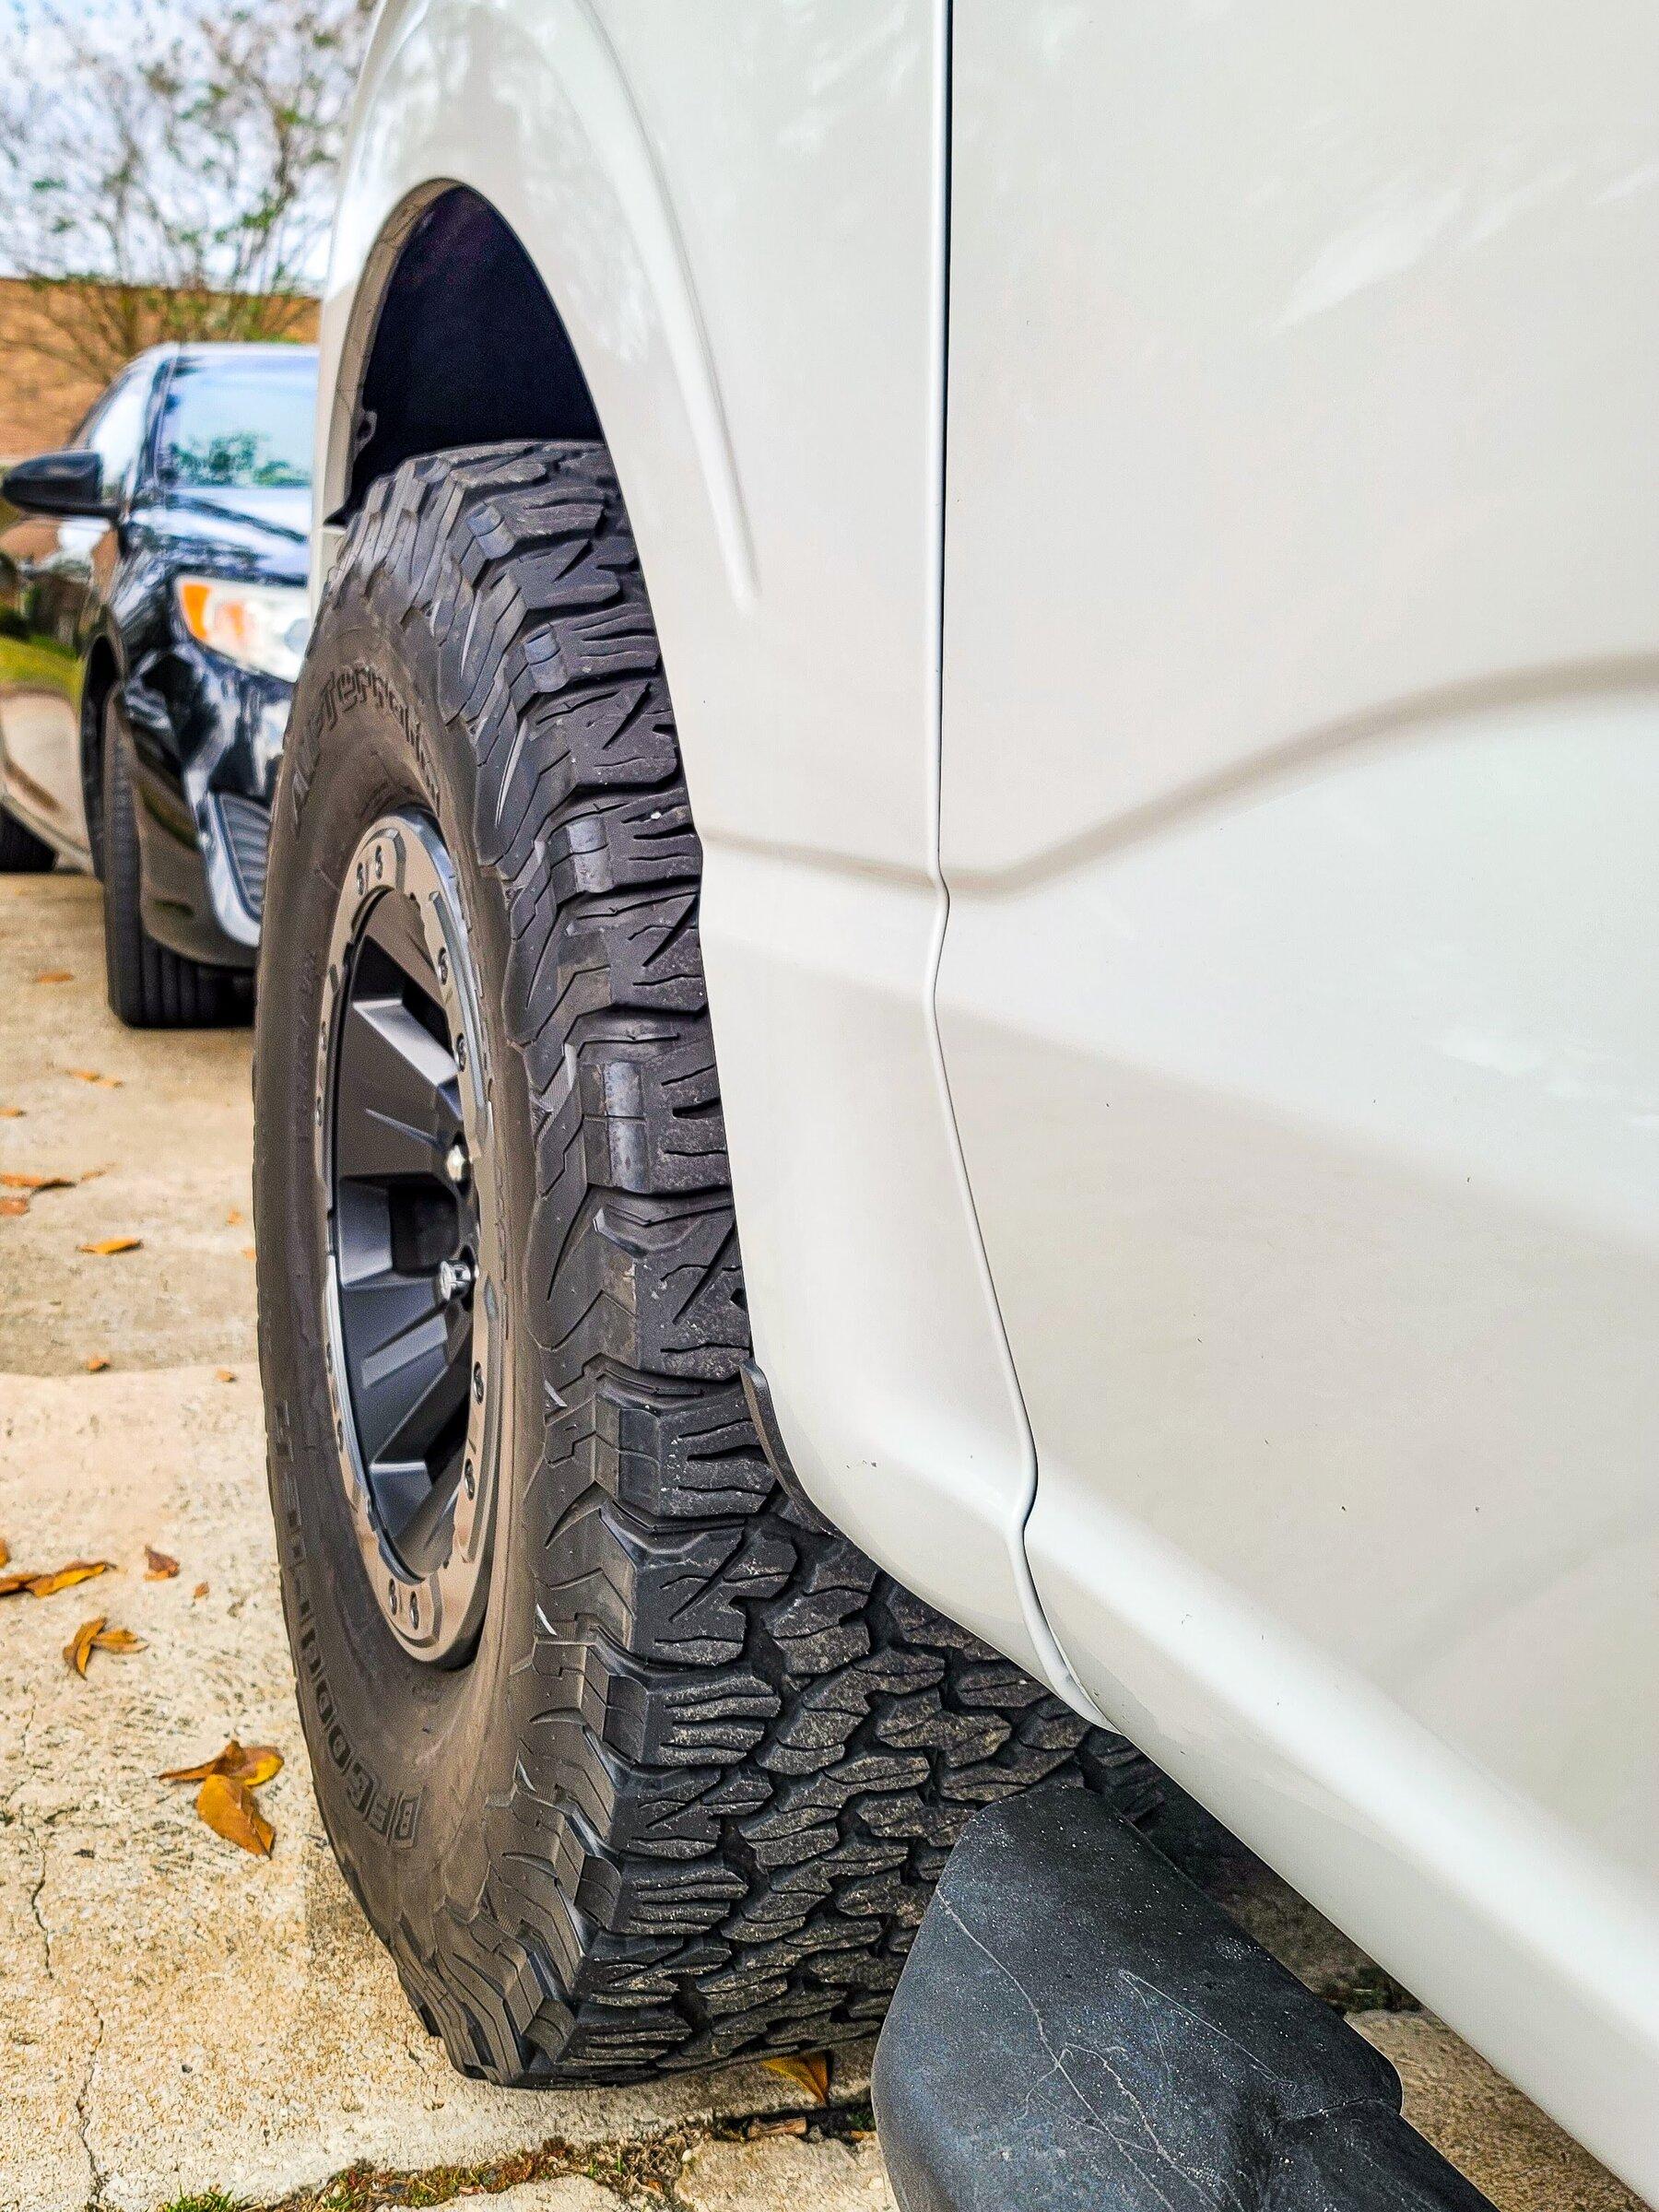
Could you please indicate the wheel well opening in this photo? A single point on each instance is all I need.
(467, 349)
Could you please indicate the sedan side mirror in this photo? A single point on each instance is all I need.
(67, 483)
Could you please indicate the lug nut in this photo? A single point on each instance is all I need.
(456, 1164)
(455, 1279)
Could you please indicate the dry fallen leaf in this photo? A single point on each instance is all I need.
(261, 1763)
(117, 1639)
(200, 1772)
(11, 1584)
(95, 1363)
(233, 1218)
(92, 1636)
(55, 975)
(200, 1590)
(90, 1074)
(5, 1552)
(795, 2127)
(224, 1374)
(158, 1566)
(14, 1206)
(66, 1577)
(11, 1113)
(809, 2070)
(106, 1246)
(249, 1766)
(248, 1251)
(17, 1181)
(231, 1809)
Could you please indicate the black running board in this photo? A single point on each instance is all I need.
(1079, 2030)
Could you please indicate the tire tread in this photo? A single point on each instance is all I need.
(750, 1749)
(150, 986)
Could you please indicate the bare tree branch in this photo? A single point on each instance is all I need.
(178, 184)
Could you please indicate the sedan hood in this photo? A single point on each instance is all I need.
(266, 530)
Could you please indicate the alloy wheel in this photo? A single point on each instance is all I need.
(415, 1323)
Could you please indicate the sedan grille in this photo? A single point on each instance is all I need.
(247, 835)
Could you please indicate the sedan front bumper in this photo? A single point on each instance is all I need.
(206, 739)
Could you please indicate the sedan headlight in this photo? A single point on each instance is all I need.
(263, 626)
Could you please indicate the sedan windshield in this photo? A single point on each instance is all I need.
(242, 426)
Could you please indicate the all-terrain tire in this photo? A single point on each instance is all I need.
(21, 852)
(688, 1797)
(149, 985)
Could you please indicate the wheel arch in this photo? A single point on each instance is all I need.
(520, 266)
(455, 340)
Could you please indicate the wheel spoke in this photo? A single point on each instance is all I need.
(442, 1397)
(399, 1106)
(422, 1530)
(407, 1364)
(394, 926)
(400, 1495)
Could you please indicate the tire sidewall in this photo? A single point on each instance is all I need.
(122, 920)
(406, 1756)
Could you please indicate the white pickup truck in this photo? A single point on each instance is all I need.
(1071, 594)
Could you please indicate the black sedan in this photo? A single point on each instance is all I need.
(152, 618)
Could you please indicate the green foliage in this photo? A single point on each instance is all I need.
(242, 458)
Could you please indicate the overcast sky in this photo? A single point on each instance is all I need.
(32, 54)
(32, 51)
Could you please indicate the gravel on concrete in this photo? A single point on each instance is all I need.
(182, 2016)
(177, 2016)
(1483, 2124)
(782, 2175)
(570, 2192)
(168, 1153)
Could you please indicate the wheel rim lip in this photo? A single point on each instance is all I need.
(435, 1615)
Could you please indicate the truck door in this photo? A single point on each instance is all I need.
(1299, 800)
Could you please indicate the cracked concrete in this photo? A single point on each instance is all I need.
(193, 2017)
(785, 2175)
(175, 2016)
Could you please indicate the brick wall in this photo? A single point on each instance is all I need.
(40, 403)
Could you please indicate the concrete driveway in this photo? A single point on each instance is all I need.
(184, 2025)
